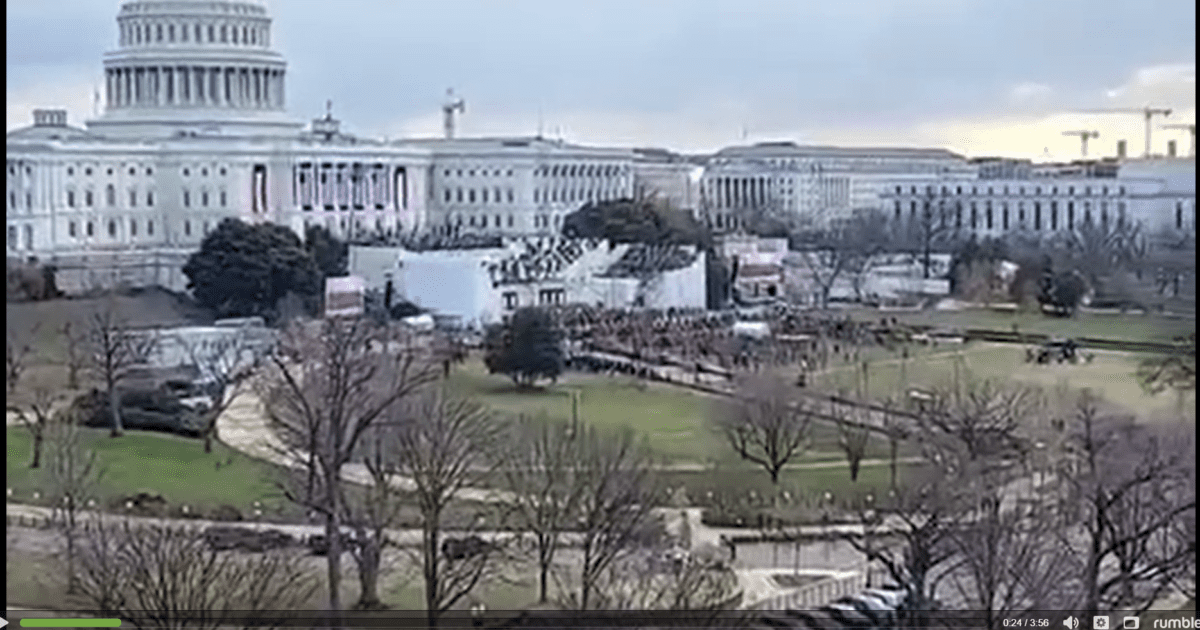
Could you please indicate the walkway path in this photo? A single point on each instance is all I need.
(243, 426)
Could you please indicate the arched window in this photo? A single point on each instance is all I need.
(171, 33)
(187, 228)
(187, 199)
(132, 198)
(112, 228)
(71, 229)
(198, 38)
(133, 227)
(110, 195)
(158, 36)
(150, 198)
(150, 227)
(91, 229)
(224, 34)
(204, 199)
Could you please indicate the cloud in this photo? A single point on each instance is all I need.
(74, 94)
(1166, 85)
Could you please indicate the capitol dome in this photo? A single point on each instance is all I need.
(188, 67)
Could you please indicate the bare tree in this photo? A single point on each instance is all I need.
(1010, 561)
(162, 576)
(76, 353)
(923, 515)
(112, 349)
(540, 470)
(618, 491)
(931, 227)
(17, 351)
(848, 246)
(1128, 491)
(442, 444)
(36, 417)
(328, 383)
(650, 580)
(897, 431)
(370, 511)
(225, 363)
(769, 426)
(853, 436)
(73, 478)
(985, 416)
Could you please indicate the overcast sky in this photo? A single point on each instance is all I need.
(981, 77)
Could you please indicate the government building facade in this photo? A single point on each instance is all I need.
(195, 129)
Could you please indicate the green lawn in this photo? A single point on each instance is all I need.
(1111, 374)
(1113, 326)
(175, 467)
(673, 420)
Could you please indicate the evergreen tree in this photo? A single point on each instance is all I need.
(527, 348)
(243, 269)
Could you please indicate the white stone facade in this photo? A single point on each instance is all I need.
(812, 184)
(1158, 194)
(194, 130)
(517, 186)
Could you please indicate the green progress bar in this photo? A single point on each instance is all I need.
(70, 623)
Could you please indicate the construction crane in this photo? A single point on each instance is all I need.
(1083, 138)
(448, 108)
(1191, 130)
(1148, 112)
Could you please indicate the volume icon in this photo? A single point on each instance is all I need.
(1071, 622)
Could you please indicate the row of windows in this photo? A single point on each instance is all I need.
(991, 190)
(482, 172)
(579, 170)
(87, 171)
(555, 195)
(89, 228)
(186, 171)
(468, 195)
(479, 220)
(222, 196)
(110, 197)
(987, 218)
(227, 33)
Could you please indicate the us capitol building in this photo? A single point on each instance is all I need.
(195, 129)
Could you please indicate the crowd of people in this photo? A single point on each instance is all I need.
(696, 337)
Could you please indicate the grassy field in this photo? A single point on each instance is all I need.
(673, 420)
(174, 467)
(1110, 374)
(1113, 326)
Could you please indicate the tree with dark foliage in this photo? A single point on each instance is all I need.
(243, 269)
(527, 348)
(331, 254)
(629, 221)
(1062, 293)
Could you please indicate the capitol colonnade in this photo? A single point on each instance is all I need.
(195, 86)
